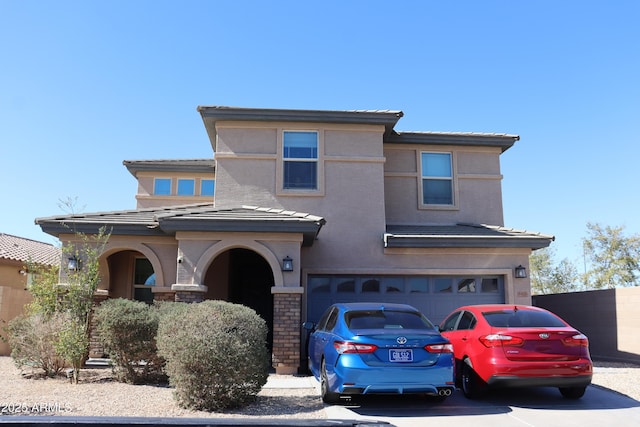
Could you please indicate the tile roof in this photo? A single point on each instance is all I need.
(194, 217)
(26, 250)
(463, 235)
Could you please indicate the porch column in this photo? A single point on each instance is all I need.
(287, 308)
(96, 348)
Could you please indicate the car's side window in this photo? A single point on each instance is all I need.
(333, 318)
(322, 323)
(450, 323)
(467, 321)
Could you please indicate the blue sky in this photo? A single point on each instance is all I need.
(85, 85)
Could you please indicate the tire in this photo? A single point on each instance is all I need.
(572, 392)
(327, 395)
(471, 384)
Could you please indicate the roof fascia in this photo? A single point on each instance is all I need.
(135, 166)
(398, 241)
(56, 228)
(309, 229)
(212, 114)
(504, 141)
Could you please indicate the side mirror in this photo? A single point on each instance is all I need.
(309, 326)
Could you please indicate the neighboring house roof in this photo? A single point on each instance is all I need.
(26, 250)
(194, 217)
(463, 235)
(191, 165)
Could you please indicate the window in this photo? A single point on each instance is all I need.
(162, 186)
(442, 285)
(300, 155)
(346, 285)
(371, 285)
(186, 187)
(466, 285)
(467, 321)
(437, 179)
(207, 187)
(143, 278)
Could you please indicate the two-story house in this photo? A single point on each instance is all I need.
(314, 207)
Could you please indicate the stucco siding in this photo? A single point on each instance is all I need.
(477, 191)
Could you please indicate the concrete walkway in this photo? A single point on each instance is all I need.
(292, 381)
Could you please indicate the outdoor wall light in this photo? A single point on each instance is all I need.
(520, 272)
(287, 264)
(74, 264)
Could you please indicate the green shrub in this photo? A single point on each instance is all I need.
(128, 330)
(216, 354)
(33, 341)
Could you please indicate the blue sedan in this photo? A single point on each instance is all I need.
(375, 348)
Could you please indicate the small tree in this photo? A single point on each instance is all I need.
(614, 257)
(549, 278)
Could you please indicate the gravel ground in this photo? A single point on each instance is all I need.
(98, 395)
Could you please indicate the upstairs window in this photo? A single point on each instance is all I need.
(300, 160)
(437, 179)
(207, 187)
(162, 186)
(186, 187)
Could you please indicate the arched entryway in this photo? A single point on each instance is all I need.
(242, 276)
(130, 276)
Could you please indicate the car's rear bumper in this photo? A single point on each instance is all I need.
(512, 381)
(433, 380)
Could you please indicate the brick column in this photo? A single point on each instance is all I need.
(286, 331)
(96, 349)
(163, 293)
(189, 293)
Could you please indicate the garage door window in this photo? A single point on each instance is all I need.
(346, 285)
(435, 296)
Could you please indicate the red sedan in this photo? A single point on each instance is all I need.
(502, 345)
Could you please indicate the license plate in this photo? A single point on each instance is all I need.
(404, 355)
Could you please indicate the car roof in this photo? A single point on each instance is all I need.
(374, 306)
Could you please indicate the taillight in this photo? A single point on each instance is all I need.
(576, 340)
(345, 347)
(497, 340)
(439, 348)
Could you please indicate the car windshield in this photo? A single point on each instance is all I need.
(386, 319)
(522, 319)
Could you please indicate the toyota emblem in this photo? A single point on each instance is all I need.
(401, 340)
(544, 336)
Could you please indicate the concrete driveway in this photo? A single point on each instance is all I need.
(542, 407)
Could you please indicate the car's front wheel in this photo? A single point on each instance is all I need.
(573, 392)
(327, 395)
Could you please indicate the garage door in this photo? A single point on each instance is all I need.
(435, 296)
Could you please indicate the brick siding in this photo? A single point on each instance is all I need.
(286, 332)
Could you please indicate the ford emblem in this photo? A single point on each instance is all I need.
(401, 340)
(544, 336)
